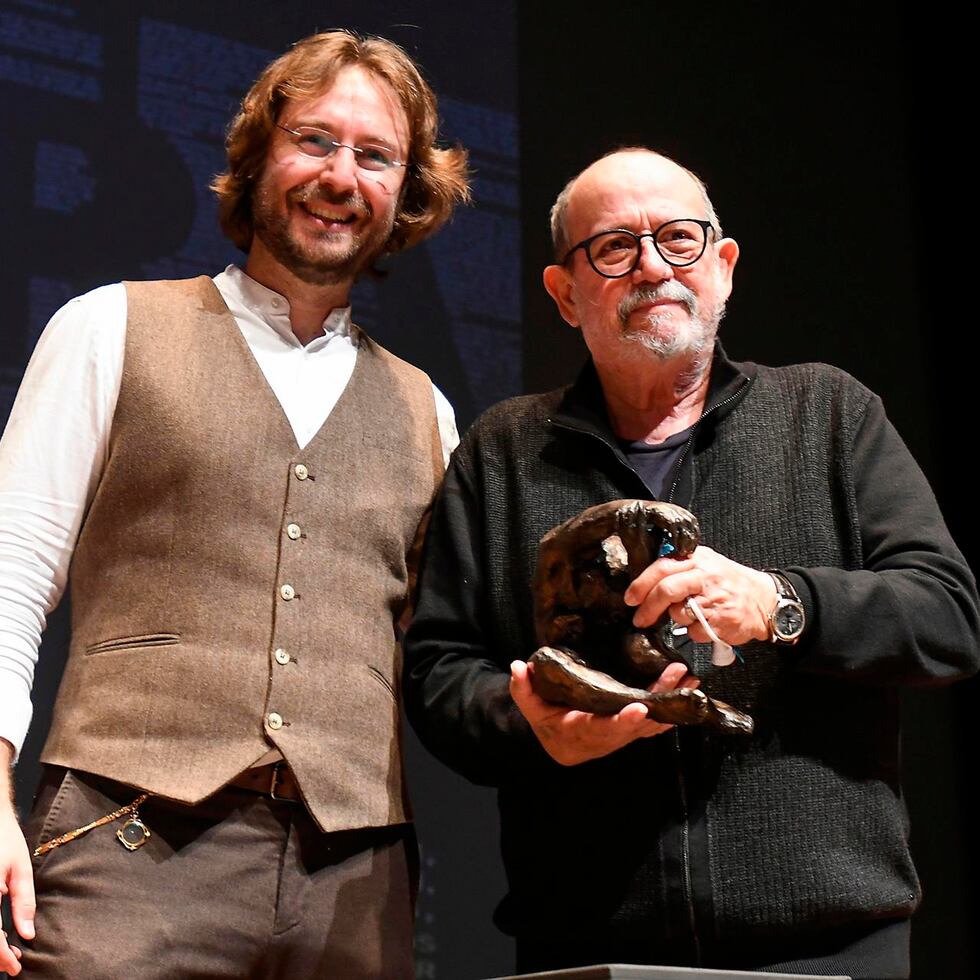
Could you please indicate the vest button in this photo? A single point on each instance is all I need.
(293, 531)
(287, 592)
(301, 471)
(274, 721)
(281, 656)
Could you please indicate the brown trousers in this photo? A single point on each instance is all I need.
(239, 886)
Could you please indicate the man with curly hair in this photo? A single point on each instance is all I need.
(238, 484)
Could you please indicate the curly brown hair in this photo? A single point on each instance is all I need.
(436, 178)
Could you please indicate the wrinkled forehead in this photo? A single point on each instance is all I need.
(634, 190)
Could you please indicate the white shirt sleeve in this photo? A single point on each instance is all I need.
(447, 425)
(52, 455)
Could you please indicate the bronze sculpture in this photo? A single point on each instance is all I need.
(591, 656)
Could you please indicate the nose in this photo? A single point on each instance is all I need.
(651, 267)
(339, 171)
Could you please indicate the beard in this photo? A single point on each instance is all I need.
(326, 257)
(660, 333)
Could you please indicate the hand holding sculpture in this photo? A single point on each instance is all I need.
(592, 657)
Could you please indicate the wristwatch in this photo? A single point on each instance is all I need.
(787, 619)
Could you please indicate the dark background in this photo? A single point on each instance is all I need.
(829, 138)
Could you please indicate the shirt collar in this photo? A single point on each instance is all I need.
(240, 289)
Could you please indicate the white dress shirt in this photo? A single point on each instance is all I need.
(57, 441)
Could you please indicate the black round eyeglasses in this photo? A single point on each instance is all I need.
(616, 253)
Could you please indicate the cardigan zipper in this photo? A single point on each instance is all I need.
(686, 853)
(686, 833)
(682, 785)
(736, 394)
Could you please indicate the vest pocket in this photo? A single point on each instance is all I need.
(382, 680)
(132, 642)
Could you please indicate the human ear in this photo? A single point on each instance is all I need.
(559, 285)
(727, 253)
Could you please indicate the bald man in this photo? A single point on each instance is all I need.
(826, 562)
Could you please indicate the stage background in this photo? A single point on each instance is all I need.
(805, 128)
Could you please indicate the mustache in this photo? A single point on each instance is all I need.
(314, 192)
(670, 290)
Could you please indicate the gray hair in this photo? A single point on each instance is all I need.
(559, 209)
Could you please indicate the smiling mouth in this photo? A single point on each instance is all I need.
(328, 215)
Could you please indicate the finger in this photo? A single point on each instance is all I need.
(703, 630)
(696, 633)
(9, 956)
(670, 591)
(657, 728)
(534, 708)
(632, 714)
(520, 684)
(672, 675)
(652, 576)
(633, 722)
(22, 903)
(521, 687)
(680, 613)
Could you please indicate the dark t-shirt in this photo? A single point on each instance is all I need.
(655, 464)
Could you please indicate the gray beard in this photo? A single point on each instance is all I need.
(696, 340)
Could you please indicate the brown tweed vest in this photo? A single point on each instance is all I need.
(231, 591)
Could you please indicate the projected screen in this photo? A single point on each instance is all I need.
(113, 125)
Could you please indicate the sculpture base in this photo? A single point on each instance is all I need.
(622, 971)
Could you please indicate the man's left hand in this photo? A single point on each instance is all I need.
(736, 600)
(571, 736)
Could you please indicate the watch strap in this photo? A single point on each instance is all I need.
(786, 595)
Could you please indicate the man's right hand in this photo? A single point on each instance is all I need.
(16, 873)
(570, 736)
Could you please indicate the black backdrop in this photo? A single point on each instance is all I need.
(831, 138)
(828, 142)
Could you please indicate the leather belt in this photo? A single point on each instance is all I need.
(276, 781)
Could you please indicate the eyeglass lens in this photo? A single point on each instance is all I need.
(679, 242)
(319, 144)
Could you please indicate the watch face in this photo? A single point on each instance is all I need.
(133, 834)
(789, 621)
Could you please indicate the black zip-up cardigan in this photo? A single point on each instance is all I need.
(692, 837)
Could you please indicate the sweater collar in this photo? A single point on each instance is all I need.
(583, 406)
